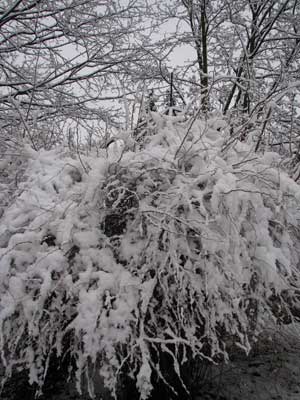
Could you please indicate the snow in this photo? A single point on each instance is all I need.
(177, 236)
(272, 371)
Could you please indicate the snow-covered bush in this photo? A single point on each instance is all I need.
(176, 251)
(13, 163)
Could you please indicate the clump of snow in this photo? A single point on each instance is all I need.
(169, 249)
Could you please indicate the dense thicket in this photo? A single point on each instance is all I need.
(135, 239)
(180, 250)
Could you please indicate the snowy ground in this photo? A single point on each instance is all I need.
(272, 371)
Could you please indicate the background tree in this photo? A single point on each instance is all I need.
(245, 64)
(60, 61)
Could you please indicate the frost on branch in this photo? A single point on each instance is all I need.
(163, 257)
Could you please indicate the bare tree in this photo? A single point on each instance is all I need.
(198, 20)
(247, 59)
(60, 60)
